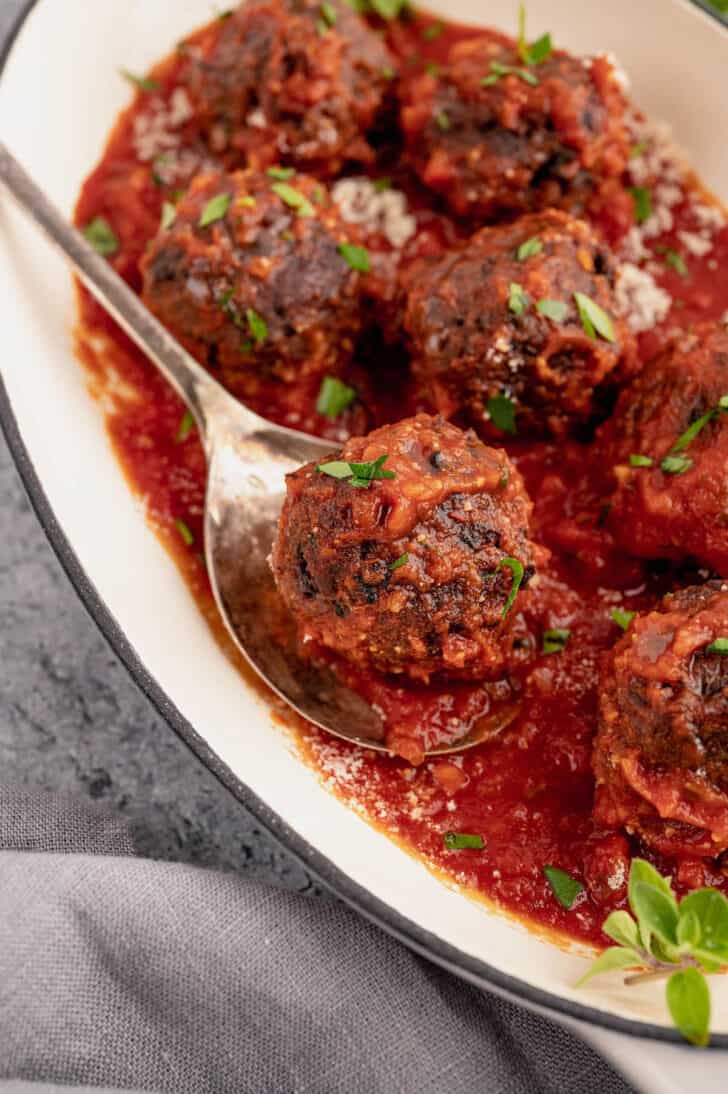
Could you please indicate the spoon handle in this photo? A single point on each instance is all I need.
(200, 391)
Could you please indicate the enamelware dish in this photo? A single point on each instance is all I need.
(675, 55)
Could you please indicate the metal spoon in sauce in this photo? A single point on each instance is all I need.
(247, 460)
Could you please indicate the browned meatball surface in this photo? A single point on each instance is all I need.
(415, 573)
(668, 445)
(263, 291)
(661, 752)
(514, 143)
(500, 319)
(291, 81)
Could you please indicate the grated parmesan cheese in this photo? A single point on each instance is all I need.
(382, 211)
(640, 299)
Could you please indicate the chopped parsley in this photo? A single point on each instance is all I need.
(638, 460)
(642, 199)
(293, 198)
(720, 645)
(361, 474)
(699, 424)
(401, 561)
(281, 173)
(502, 413)
(516, 568)
(186, 535)
(675, 261)
(564, 887)
(442, 121)
(676, 465)
(539, 51)
(498, 70)
(100, 235)
(144, 83)
(594, 319)
(328, 13)
(256, 325)
(552, 309)
(215, 209)
(356, 257)
(637, 150)
(621, 617)
(169, 215)
(388, 73)
(456, 841)
(247, 201)
(334, 397)
(432, 68)
(554, 641)
(384, 183)
(186, 425)
(531, 247)
(386, 9)
(433, 31)
(517, 299)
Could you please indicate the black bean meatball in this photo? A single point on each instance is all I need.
(494, 143)
(419, 572)
(661, 752)
(667, 444)
(263, 290)
(292, 81)
(503, 318)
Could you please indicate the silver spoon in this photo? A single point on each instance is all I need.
(247, 461)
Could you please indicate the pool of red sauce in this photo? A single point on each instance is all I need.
(528, 794)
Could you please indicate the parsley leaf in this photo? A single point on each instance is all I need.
(517, 299)
(622, 618)
(256, 325)
(517, 569)
(215, 209)
(186, 425)
(676, 465)
(401, 561)
(361, 474)
(456, 841)
(555, 640)
(100, 235)
(502, 413)
(539, 51)
(593, 318)
(442, 121)
(169, 215)
(531, 247)
(144, 83)
(356, 257)
(498, 70)
(720, 645)
(552, 309)
(334, 397)
(280, 173)
(638, 460)
(293, 198)
(185, 534)
(564, 887)
(642, 203)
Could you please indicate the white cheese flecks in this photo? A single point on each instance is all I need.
(154, 129)
(640, 299)
(384, 211)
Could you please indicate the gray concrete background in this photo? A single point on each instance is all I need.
(72, 720)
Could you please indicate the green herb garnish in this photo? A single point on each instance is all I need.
(442, 121)
(293, 198)
(281, 173)
(517, 299)
(531, 247)
(675, 261)
(187, 538)
(699, 424)
(498, 70)
(247, 201)
(384, 183)
(539, 51)
(594, 319)
(401, 561)
(637, 149)
(215, 209)
(432, 68)
(144, 83)
(680, 941)
(328, 13)
(433, 31)
(637, 460)
(554, 641)
(361, 474)
(622, 618)
(676, 465)
(356, 257)
(334, 397)
(186, 425)
(502, 413)
(100, 235)
(642, 199)
(565, 888)
(517, 570)
(552, 309)
(456, 841)
(256, 325)
(719, 646)
(169, 215)
(386, 9)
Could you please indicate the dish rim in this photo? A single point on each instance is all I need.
(376, 911)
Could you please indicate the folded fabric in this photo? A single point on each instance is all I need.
(117, 972)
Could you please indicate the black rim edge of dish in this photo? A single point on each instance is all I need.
(331, 877)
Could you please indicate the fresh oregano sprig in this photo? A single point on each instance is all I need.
(666, 939)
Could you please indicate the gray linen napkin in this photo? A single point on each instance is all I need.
(118, 972)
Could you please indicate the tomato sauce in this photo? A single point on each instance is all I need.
(529, 792)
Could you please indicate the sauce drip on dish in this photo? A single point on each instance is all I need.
(529, 794)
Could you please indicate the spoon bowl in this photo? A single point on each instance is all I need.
(248, 459)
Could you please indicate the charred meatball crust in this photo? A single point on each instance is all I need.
(263, 292)
(408, 575)
(290, 81)
(507, 145)
(658, 513)
(476, 331)
(661, 751)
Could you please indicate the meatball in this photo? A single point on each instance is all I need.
(667, 443)
(418, 572)
(661, 751)
(263, 291)
(500, 319)
(292, 81)
(546, 135)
